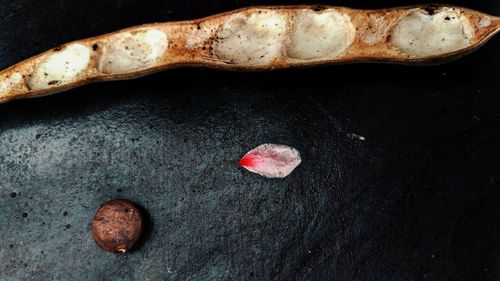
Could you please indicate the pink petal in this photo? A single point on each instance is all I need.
(271, 160)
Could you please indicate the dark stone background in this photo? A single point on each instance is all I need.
(418, 200)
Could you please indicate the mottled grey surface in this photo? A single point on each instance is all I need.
(210, 217)
(418, 200)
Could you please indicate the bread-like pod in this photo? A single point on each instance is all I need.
(256, 39)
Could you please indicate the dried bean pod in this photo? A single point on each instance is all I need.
(259, 38)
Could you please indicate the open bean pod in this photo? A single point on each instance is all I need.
(257, 38)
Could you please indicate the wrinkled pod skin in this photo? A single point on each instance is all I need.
(256, 39)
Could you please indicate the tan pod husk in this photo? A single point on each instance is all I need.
(256, 39)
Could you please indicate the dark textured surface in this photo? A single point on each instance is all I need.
(418, 200)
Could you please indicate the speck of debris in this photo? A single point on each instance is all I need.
(67, 226)
(25, 215)
(356, 136)
(65, 213)
(13, 194)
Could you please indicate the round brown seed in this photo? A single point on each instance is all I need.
(117, 225)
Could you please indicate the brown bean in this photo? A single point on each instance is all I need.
(260, 38)
(117, 226)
